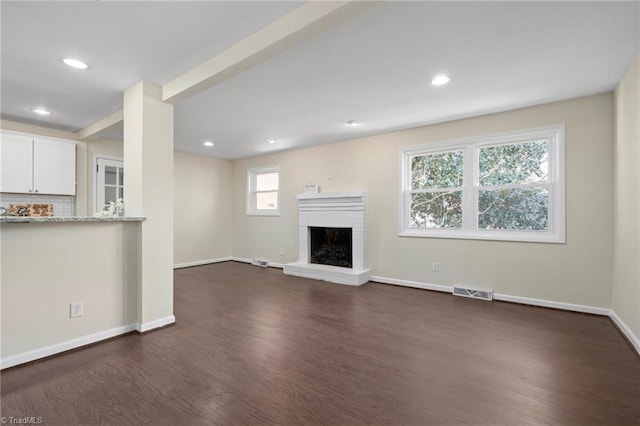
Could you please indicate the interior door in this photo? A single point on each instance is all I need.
(109, 182)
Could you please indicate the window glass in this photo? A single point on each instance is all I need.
(439, 170)
(436, 210)
(512, 164)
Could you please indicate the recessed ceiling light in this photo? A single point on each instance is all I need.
(352, 123)
(208, 144)
(440, 80)
(41, 111)
(75, 63)
(272, 140)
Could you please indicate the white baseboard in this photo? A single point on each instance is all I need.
(497, 296)
(35, 354)
(551, 304)
(202, 262)
(245, 260)
(78, 342)
(155, 323)
(414, 284)
(626, 331)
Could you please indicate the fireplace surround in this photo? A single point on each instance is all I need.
(336, 214)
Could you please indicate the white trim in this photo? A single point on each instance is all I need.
(202, 262)
(625, 330)
(57, 348)
(459, 234)
(595, 310)
(155, 323)
(498, 296)
(413, 284)
(250, 261)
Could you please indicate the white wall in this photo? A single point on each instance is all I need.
(45, 266)
(578, 272)
(202, 208)
(626, 276)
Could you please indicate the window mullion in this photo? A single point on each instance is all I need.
(468, 197)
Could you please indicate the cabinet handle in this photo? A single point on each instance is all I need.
(31, 190)
(36, 190)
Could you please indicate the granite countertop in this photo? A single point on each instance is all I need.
(57, 219)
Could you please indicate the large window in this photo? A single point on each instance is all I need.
(501, 187)
(263, 191)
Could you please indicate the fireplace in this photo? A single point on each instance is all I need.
(331, 246)
(332, 238)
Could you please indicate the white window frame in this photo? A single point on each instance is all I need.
(252, 210)
(471, 147)
(97, 192)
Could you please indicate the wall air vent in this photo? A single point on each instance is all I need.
(473, 293)
(260, 262)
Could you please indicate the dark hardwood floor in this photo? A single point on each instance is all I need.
(254, 346)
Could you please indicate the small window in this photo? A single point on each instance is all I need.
(501, 187)
(263, 194)
(109, 182)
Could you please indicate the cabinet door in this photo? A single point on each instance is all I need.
(16, 163)
(54, 167)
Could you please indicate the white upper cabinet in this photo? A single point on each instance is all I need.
(54, 167)
(16, 163)
(37, 165)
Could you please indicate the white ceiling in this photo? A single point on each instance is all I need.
(375, 67)
(123, 43)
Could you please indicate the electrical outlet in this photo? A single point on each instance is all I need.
(76, 309)
(435, 267)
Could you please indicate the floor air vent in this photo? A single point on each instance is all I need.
(472, 293)
(260, 262)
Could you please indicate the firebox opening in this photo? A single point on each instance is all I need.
(331, 246)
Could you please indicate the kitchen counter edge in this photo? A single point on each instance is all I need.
(58, 219)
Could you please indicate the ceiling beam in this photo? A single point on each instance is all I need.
(309, 19)
(301, 23)
(95, 129)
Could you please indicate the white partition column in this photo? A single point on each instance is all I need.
(148, 192)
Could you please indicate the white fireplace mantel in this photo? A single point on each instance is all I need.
(332, 210)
